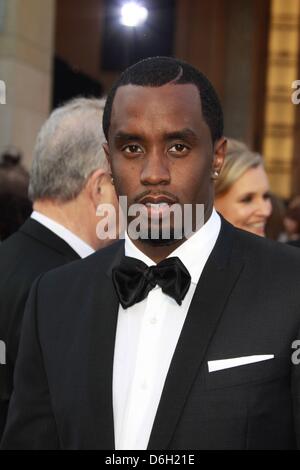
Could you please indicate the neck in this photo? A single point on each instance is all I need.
(69, 214)
(160, 252)
(157, 253)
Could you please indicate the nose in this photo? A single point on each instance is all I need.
(155, 170)
(265, 207)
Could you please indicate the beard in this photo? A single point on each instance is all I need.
(161, 228)
(161, 239)
(159, 233)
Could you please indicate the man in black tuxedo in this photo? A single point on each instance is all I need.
(184, 342)
(62, 227)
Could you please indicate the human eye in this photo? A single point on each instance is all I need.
(247, 199)
(267, 196)
(179, 149)
(132, 149)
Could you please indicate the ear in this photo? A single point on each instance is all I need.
(94, 185)
(107, 153)
(220, 148)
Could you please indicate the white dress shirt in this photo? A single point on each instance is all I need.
(146, 338)
(78, 245)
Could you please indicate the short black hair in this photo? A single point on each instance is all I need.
(158, 71)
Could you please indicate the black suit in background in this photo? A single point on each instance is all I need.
(31, 251)
(295, 243)
(247, 302)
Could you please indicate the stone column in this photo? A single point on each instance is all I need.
(26, 51)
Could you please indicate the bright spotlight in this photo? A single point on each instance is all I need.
(133, 14)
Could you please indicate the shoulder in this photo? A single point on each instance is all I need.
(21, 254)
(295, 243)
(62, 294)
(262, 251)
(84, 270)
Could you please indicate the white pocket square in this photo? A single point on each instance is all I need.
(236, 361)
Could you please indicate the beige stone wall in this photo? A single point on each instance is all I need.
(280, 113)
(26, 52)
(79, 29)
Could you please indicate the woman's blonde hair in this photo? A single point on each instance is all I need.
(239, 158)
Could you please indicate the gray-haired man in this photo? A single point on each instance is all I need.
(69, 180)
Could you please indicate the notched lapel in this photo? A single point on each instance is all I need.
(217, 281)
(102, 342)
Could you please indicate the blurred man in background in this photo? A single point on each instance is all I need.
(69, 179)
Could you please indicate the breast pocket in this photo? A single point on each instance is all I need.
(257, 372)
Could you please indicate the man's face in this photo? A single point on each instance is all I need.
(160, 148)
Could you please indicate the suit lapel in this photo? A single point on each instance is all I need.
(214, 287)
(104, 312)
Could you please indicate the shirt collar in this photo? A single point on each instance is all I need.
(194, 252)
(78, 245)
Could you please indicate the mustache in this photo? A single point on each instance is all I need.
(140, 196)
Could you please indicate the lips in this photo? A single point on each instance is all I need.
(258, 224)
(257, 227)
(158, 205)
(157, 200)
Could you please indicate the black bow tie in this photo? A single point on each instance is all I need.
(133, 279)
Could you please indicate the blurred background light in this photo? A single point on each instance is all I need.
(133, 14)
(149, 34)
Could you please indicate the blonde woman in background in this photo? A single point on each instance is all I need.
(242, 192)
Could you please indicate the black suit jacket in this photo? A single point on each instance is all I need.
(247, 302)
(28, 253)
(295, 243)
